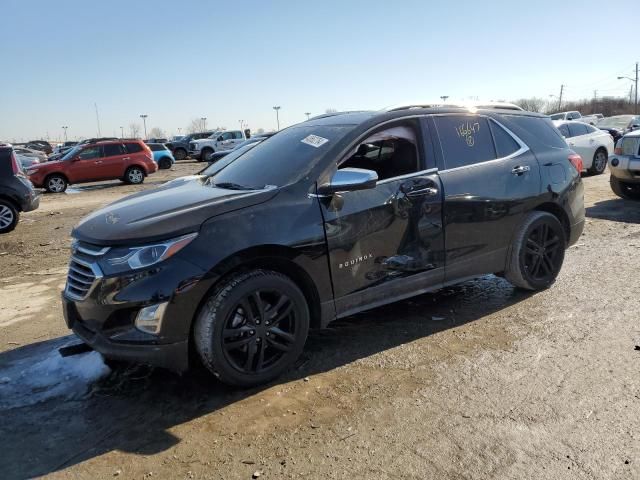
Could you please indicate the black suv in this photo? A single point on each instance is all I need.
(16, 191)
(335, 215)
(180, 149)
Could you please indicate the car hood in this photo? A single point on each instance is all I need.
(176, 208)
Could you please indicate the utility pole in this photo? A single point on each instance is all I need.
(97, 118)
(277, 109)
(204, 123)
(64, 127)
(560, 97)
(144, 121)
(121, 131)
(444, 98)
(635, 108)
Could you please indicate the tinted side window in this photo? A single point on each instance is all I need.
(155, 147)
(133, 147)
(91, 152)
(113, 149)
(465, 140)
(505, 144)
(538, 129)
(238, 135)
(564, 130)
(227, 136)
(577, 129)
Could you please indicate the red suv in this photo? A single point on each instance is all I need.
(127, 160)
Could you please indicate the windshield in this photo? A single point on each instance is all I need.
(557, 116)
(71, 153)
(227, 159)
(618, 122)
(283, 158)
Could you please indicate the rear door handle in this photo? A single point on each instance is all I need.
(520, 169)
(428, 191)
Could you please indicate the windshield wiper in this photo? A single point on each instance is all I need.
(232, 186)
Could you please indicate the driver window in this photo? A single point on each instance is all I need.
(390, 153)
(89, 153)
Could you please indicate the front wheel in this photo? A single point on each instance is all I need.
(537, 253)
(9, 216)
(252, 328)
(180, 154)
(134, 176)
(55, 184)
(204, 154)
(624, 190)
(599, 162)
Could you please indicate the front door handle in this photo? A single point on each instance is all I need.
(520, 169)
(98, 162)
(428, 191)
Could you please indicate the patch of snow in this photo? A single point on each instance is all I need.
(34, 379)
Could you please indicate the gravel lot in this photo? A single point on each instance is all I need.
(477, 381)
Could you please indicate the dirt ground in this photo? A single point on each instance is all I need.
(479, 381)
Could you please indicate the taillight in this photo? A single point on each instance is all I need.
(576, 161)
(15, 166)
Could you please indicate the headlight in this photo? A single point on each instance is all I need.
(147, 255)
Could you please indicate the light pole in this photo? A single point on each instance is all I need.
(634, 80)
(204, 123)
(241, 123)
(179, 130)
(121, 131)
(64, 127)
(444, 98)
(277, 109)
(308, 114)
(144, 121)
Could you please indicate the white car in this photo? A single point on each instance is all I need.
(592, 144)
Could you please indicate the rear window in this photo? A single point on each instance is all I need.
(630, 146)
(466, 140)
(539, 128)
(133, 147)
(505, 143)
(577, 129)
(114, 149)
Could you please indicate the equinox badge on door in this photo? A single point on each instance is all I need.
(355, 261)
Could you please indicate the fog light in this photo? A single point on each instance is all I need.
(149, 319)
(614, 162)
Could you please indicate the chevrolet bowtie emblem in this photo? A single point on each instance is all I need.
(112, 218)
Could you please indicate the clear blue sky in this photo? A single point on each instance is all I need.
(231, 60)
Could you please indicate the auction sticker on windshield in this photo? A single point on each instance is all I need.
(315, 140)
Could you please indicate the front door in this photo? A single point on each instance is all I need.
(386, 243)
(86, 165)
(490, 179)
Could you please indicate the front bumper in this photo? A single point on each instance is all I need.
(627, 170)
(104, 315)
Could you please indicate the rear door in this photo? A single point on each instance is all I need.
(387, 242)
(85, 167)
(113, 161)
(490, 179)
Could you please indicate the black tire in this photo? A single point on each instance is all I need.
(537, 252)
(599, 163)
(9, 216)
(134, 175)
(204, 154)
(235, 345)
(624, 190)
(56, 183)
(180, 154)
(165, 163)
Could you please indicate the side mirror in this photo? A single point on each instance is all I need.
(220, 138)
(348, 180)
(635, 126)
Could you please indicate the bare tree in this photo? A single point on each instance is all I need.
(195, 126)
(134, 130)
(156, 132)
(533, 104)
(331, 110)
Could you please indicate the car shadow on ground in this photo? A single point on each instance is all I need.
(617, 210)
(133, 409)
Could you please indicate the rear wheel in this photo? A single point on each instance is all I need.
(624, 190)
(180, 153)
(134, 176)
(252, 328)
(55, 184)
(599, 162)
(164, 163)
(537, 253)
(9, 216)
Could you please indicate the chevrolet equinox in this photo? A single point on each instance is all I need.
(327, 218)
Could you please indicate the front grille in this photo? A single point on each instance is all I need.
(84, 273)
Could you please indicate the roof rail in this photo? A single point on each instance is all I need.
(465, 105)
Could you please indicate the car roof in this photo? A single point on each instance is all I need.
(635, 133)
(569, 122)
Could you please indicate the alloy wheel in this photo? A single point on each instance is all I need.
(259, 331)
(541, 255)
(6, 217)
(135, 175)
(600, 161)
(56, 185)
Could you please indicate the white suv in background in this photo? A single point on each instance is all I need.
(592, 144)
(625, 167)
(203, 148)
